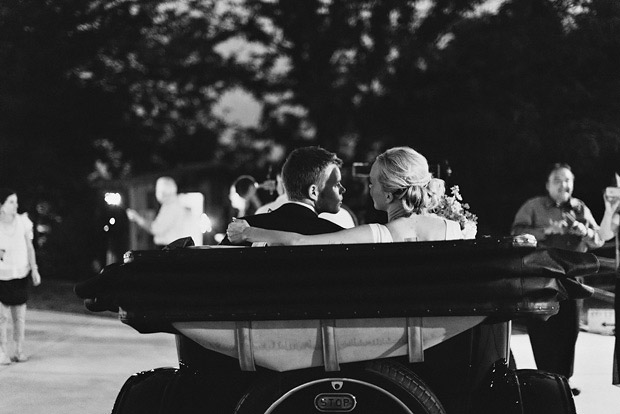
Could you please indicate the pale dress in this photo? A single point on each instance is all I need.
(381, 234)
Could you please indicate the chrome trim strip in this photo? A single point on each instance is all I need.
(243, 335)
(330, 347)
(508, 336)
(290, 392)
(415, 339)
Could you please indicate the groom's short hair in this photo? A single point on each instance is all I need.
(304, 167)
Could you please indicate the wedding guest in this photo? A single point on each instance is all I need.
(280, 199)
(243, 196)
(311, 178)
(611, 218)
(400, 184)
(173, 220)
(608, 231)
(17, 262)
(562, 221)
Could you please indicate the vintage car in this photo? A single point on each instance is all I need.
(368, 328)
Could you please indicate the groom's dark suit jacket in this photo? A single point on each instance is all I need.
(291, 217)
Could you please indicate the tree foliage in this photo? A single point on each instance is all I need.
(125, 86)
(347, 60)
(529, 86)
(94, 90)
(499, 94)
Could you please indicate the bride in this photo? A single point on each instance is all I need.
(401, 185)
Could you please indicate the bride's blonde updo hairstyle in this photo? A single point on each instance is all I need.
(404, 173)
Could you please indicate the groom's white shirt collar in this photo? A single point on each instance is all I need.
(308, 206)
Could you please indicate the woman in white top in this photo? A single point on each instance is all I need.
(17, 260)
(399, 184)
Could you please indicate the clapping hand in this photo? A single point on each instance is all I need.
(556, 227)
(235, 231)
(569, 225)
(575, 227)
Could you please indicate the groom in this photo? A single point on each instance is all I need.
(311, 178)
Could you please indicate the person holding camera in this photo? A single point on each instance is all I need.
(558, 219)
(562, 221)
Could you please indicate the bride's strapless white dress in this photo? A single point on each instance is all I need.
(381, 234)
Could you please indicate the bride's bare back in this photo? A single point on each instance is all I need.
(424, 228)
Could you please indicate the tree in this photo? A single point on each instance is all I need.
(346, 59)
(519, 90)
(128, 84)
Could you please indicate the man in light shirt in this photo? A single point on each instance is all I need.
(173, 221)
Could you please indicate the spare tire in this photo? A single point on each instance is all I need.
(379, 386)
(173, 391)
(545, 392)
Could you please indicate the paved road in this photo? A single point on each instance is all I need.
(592, 371)
(79, 362)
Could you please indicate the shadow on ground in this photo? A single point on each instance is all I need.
(58, 295)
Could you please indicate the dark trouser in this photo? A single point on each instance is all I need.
(553, 341)
(616, 362)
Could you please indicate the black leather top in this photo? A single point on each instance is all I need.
(483, 277)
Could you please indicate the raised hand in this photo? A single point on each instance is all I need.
(132, 214)
(612, 204)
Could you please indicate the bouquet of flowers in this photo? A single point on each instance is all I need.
(453, 208)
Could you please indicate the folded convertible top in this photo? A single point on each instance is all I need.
(152, 289)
